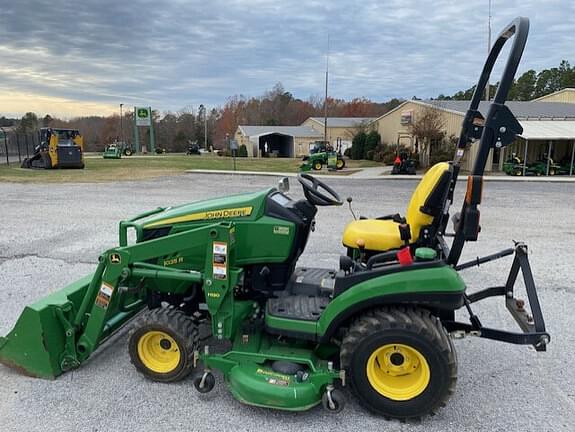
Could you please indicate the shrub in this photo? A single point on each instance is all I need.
(444, 152)
(358, 145)
(243, 151)
(347, 152)
(384, 153)
(372, 140)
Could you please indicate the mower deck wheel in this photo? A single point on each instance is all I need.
(400, 361)
(333, 401)
(205, 383)
(162, 345)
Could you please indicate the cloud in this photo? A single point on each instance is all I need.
(179, 53)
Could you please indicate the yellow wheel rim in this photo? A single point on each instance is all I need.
(398, 372)
(159, 352)
(339, 164)
(317, 166)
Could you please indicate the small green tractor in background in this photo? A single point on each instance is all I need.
(289, 337)
(322, 154)
(515, 167)
(117, 149)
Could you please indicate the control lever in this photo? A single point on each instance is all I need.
(265, 275)
(349, 200)
(345, 264)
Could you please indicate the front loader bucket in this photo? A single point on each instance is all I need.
(306, 166)
(40, 341)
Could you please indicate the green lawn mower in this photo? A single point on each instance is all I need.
(515, 167)
(291, 337)
(320, 155)
(117, 149)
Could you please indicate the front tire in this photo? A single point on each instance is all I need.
(162, 345)
(400, 361)
(317, 166)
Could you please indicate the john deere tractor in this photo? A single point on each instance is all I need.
(380, 323)
(117, 149)
(322, 154)
(59, 148)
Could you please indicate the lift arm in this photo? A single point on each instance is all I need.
(60, 332)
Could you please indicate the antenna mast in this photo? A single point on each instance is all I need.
(325, 98)
(488, 87)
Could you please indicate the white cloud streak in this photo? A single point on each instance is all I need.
(179, 53)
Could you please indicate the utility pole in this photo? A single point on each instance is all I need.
(487, 87)
(325, 99)
(203, 109)
(121, 124)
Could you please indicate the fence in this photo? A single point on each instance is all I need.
(14, 146)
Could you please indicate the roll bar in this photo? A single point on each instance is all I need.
(520, 28)
(497, 130)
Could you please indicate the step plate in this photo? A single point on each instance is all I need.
(311, 281)
(298, 307)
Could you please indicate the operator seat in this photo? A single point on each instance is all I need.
(423, 211)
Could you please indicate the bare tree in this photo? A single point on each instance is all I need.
(428, 128)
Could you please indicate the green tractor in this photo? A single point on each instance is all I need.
(291, 337)
(322, 154)
(117, 149)
(515, 167)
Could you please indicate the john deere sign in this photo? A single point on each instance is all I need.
(143, 116)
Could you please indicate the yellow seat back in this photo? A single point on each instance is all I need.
(415, 217)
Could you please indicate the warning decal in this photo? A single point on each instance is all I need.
(104, 295)
(220, 248)
(220, 271)
(219, 260)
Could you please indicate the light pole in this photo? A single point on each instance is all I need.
(121, 124)
(203, 109)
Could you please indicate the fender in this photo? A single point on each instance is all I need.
(440, 287)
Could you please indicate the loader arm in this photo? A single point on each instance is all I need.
(61, 331)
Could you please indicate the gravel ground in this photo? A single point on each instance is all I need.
(52, 234)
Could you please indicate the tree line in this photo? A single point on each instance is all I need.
(277, 106)
(175, 130)
(530, 85)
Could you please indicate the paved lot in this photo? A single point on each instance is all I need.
(51, 235)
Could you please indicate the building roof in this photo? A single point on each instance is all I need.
(565, 90)
(343, 121)
(548, 130)
(295, 131)
(522, 110)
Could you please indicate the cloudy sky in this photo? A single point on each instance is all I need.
(81, 57)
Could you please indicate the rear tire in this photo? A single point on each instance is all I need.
(400, 361)
(340, 164)
(162, 345)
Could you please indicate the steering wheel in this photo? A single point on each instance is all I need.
(311, 190)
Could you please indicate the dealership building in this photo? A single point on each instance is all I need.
(548, 127)
(295, 141)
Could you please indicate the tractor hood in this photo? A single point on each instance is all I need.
(248, 205)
